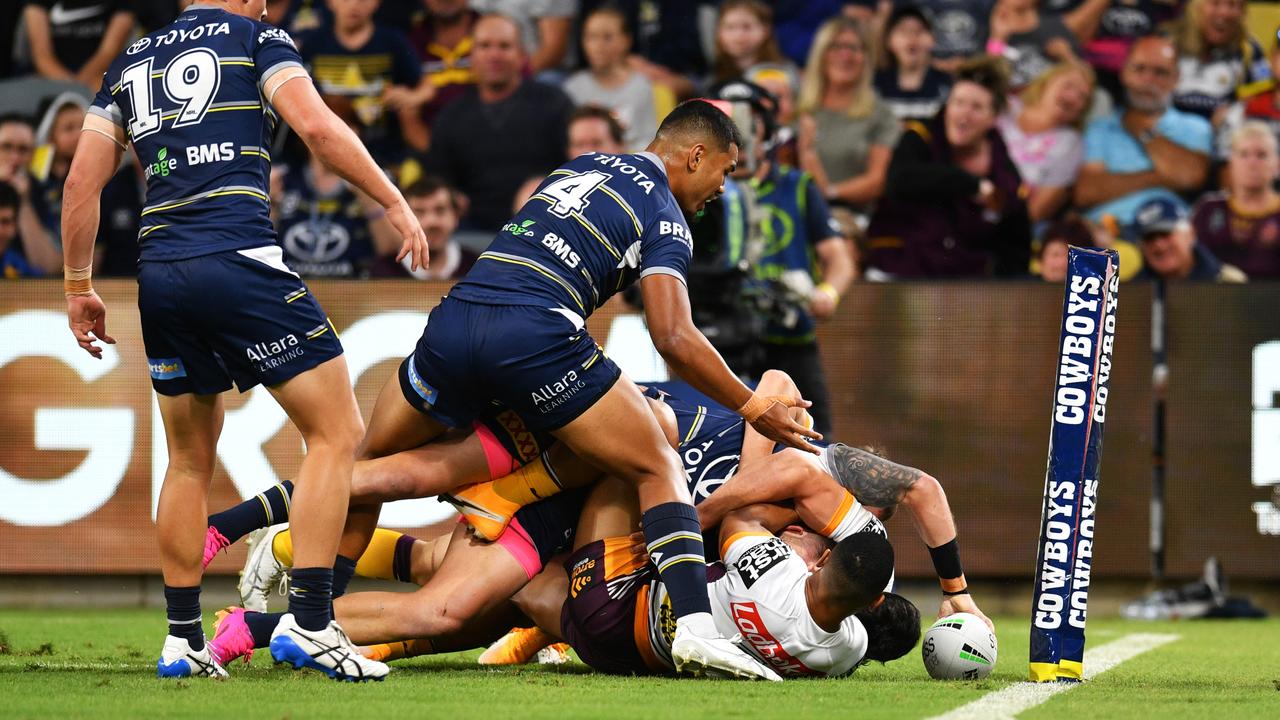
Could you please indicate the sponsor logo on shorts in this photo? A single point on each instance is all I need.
(580, 576)
(273, 354)
(166, 368)
(425, 391)
(552, 395)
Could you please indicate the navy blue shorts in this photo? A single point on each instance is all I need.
(538, 362)
(239, 316)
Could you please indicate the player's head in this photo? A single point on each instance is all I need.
(857, 571)
(698, 143)
(252, 9)
(893, 628)
(8, 215)
(594, 128)
(809, 546)
(352, 14)
(436, 206)
(498, 54)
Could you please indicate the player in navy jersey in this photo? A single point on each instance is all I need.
(198, 100)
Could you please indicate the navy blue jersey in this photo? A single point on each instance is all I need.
(189, 96)
(595, 226)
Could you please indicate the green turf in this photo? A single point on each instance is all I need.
(102, 664)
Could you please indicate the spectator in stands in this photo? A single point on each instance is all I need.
(437, 208)
(1042, 132)
(369, 72)
(1108, 28)
(1259, 101)
(783, 82)
(1170, 250)
(13, 262)
(846, 134)
(442, 38)
(668, 45)
(744, 37)
(1057, 237)
(75, 40)
(1241, 224)
(1216, 56)
(500, 132)
(299, 16)
(610, 81)
(1147, 149)
(953, 203)
(960, 30)
(545, 28)
(1031, 41)
(593, 128)
(17, 146)
(908, 84)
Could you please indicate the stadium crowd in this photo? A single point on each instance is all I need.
(937, 139)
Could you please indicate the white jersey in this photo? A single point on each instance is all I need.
(762, 597)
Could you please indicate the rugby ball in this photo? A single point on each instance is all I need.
(959, 647)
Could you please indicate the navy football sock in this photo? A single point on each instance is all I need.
(184, 614)
(262, 510)
(261, 625)
(343, 569)
(311, 597)
(673, 536)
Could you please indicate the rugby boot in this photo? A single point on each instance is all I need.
(262, 571)
(231, 637)
(178, 660)
(329, 650)
(517, 647)
(715, 657)
(214, 543)
(487, 512)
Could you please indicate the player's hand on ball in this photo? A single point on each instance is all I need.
(963, 603)
(87, 318)
(777, 424)
(406, 223)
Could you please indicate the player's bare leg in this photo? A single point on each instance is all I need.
(192, 424)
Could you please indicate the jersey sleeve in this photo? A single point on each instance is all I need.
(750, 556)
(273, 51)
(104, 103)
(666, 247)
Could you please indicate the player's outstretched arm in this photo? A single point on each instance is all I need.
(761, 519)
(696, 361)
(96, 159)
(340, 149)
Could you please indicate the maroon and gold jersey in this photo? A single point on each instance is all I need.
(1250, 241)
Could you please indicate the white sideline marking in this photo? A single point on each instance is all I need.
(1008, 702)
(41, 665)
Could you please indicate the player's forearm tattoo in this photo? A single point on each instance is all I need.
(873, 480)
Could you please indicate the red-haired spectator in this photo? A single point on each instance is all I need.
(1241, 224)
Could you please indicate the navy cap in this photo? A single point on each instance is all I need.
(1159, 215)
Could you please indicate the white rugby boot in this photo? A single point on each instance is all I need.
(330, 651)
(178, 660)
(715, 657)
(262, 571)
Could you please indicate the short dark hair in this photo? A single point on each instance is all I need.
(893, 628)
(1070, 229)
(992, 73)
(429, 185)
(860, 567)
(700, 119)
(13, 117)
(597, 112)
(8, 196)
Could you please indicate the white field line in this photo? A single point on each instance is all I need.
(1008, 702)
(46, 665)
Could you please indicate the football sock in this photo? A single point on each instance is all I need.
(343, 569)
(311, 596)
(402, 563)
(529, 484)
(384, 652)
(261, 625)
(282, 548)
(184, 614)
(261, 510)
(673, 537)
(378, 559)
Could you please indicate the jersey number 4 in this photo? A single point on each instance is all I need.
(569, 194)
(190, 79)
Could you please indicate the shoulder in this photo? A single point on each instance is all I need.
(1208, 203)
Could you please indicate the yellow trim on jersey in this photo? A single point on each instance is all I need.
(696, 426)
(295, 295)
(572, 293)
(246, 63)
(171, 206)
(623, 204)
(148, 231)
(846, 505)
(592, 229)
(587, 365)
(728, 543)
(318, 333)
(259, 153)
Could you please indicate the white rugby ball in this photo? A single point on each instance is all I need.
(959, 647)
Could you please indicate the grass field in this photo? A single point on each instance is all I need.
(102, 664)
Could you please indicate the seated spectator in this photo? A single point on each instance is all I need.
(781, 81)
(953, 203)
(744, 37)
(1241, 224)
(437, 208)
(1259, 101)
(846, 134)
(75, 40)
(1107, 30)
(545, 28)
(668, 45)
(17, 147)
(298, 16)
(369, 72)
(1031, 41)
(442, 38)
(1216, 56)
(909, 85)
(960, 30)
(594, 129)
(1057, 237)
(1170, 250)
(610, 81)
(13, 262)
(1146, 149)
(1042, 131)
(327, 228)
(501, 131)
